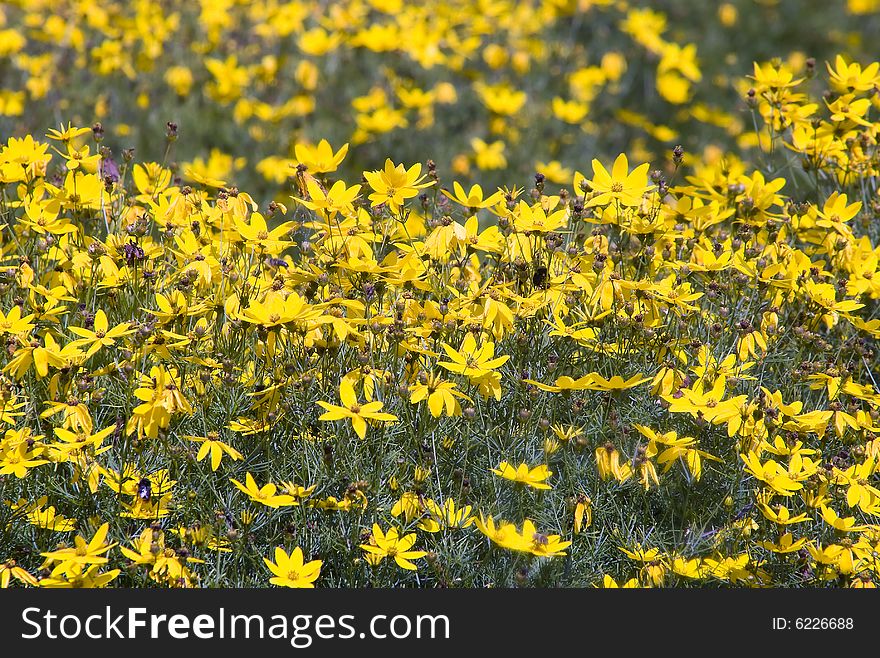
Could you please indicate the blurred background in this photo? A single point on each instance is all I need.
(493, 91)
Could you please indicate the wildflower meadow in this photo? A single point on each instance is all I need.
(448, 294)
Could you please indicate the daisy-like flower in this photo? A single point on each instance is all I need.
(392, 544)
(522, 474)
(212, 445)
(320, 159)
(472, 199)
(257, 234)
(441, 396)
(266, 495)
(621, 186)
(472, 361)
(395, 184)
(83, 552)
(102, 336)
(292, 570)
(13, 322)
(358, 413)
(9, 570)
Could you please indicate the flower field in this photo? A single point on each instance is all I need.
(443, 294)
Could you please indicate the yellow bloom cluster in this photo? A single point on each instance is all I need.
(675, 363)
(260, 85)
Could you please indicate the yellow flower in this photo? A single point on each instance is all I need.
(540, 544)
(847, 78)
(211, 444)
(583, 513)
(504, 534)
(291, 570)
(83, 552)
(13, 322)
(441, 396)
(10, 569)
(358, 413)
(449, 515)
(522, 474)
(392, 545)
(67, 134)
(786, 544)
(473, 199)
(839, 523)
(620, 186)
(394, 184)
(265, 495)
(102, 336)
(321, 158)
(609, 465)
(471, 361)
(489, 156)
(257, 234)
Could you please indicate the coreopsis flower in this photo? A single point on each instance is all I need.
(80, 158)
(41, 357)
(266, 495)
(67, 134)
(162, 398)
(395, 184)
(847, 78)
(71, 441)
(9, 569)
(473, 199)
(450, 515)
(338, 199)
(353, 410)
(781, 515)
(292, 570)
(49, 519)
(772, 474)
(84, 552)
(276, 310)
(471, 361)
(522, 474)
(504, 534)
(839, 523)
(167, 566)
(14, 323)
(441, 396)
(320, 159)
(645, 470)
(528, 540)
(102, 336)
(609, 583)
(257, 236)
(609, 465)
(391, 544)
(620, 186)
(19, 459)
(540, 544)
(489, 156)
(147, 547)
(87, 578)
(785, 544)
(212, 445)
